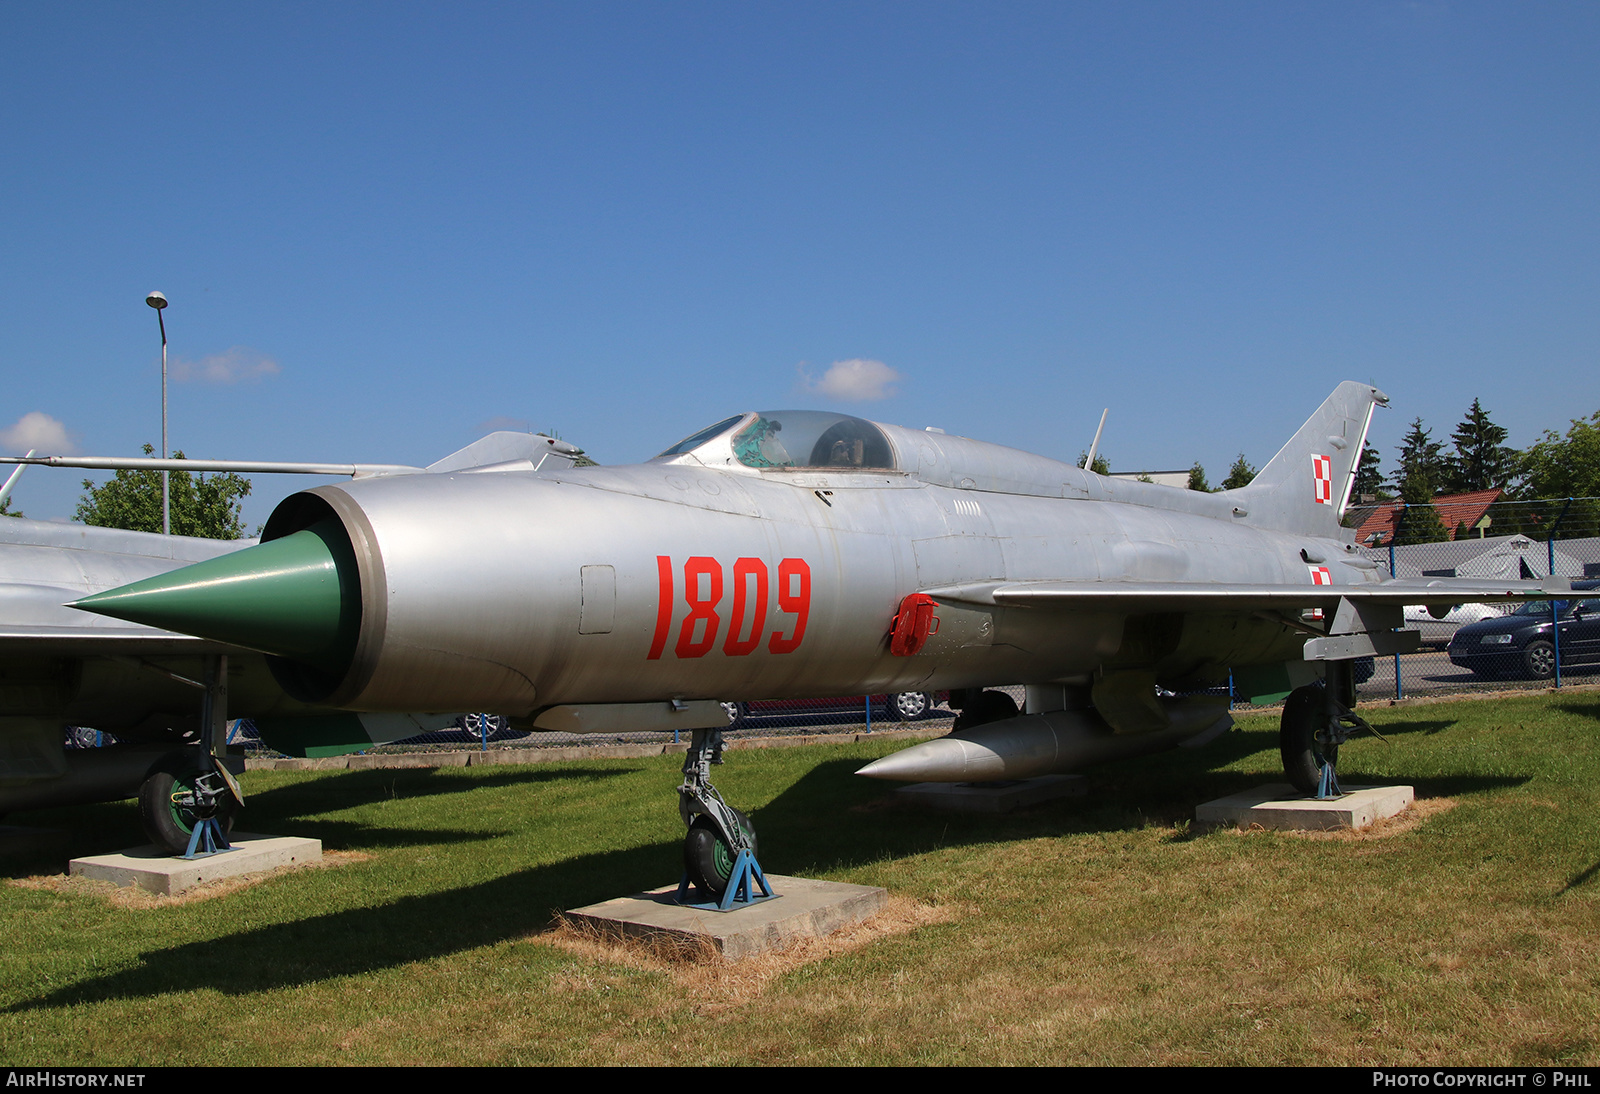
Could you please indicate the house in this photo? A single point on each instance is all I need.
(1380, 523)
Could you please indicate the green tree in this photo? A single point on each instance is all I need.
(200, 506)
(1369, 483)
(1560, 467)
(1101, 467)
(1240, 474)
(1197, 479)
(1421, 466)
(1565, 467)
(1420, 523)
(5, 509)
(1419, 518)
(1481, 460)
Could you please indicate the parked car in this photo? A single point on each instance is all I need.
(1438, 632)
(1521, 643)
(905, 706)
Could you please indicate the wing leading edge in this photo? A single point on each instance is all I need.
(1200, 596)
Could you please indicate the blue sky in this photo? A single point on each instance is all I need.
(384, 227)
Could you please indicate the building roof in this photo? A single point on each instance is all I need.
(1454, 510)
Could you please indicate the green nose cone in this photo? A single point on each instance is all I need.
(297, 597)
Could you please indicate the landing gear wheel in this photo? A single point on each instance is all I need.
(990, 706)
(708, 859)
(177, 796)
(1297, 738)
(1539, 660)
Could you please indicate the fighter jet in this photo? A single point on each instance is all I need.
(799, 553)
(163, 695)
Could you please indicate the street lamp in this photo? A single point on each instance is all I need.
(158, 302)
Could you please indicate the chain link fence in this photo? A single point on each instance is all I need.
(853, 715)
(1479, 646)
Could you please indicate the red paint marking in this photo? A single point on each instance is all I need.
(1322, 479)
(700, 609)
(1321, 576)
(798, 604)
(744, 569)
(663, 608)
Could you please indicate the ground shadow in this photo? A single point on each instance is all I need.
(826, 821)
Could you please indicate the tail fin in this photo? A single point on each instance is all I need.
(1306, 486)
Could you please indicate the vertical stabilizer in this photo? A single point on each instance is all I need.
(1306, 486)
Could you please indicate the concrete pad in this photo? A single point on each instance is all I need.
(804, 908)
(158, 871)
(1281, 806)
(994, 797)
(17, 842)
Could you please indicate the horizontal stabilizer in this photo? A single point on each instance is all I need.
(522, 451)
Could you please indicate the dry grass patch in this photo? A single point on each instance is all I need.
(131, 896)
(1420, 810)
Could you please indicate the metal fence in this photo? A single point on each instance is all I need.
(1540, 644)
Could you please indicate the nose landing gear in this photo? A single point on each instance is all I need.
(719, 851)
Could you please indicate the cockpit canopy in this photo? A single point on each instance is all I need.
(776, 439)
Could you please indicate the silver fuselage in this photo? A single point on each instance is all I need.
(510, 591)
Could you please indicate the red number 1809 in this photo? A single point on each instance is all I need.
(703, 587)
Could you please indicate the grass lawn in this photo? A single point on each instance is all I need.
(1098, 930)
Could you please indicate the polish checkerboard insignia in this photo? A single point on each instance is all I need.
(1322, 479)
(1321, 576)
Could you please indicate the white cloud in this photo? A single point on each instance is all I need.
(856, 380)
(235, 366)
(37, 429)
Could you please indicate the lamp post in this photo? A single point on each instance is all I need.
(158, 302)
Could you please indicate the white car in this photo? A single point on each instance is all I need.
(1438, 632)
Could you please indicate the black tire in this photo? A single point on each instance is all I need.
(1539, 660)
(1297, 738)
(908, 706)
(707, 858)
(168, 824)
(990, 706)
(736, 714)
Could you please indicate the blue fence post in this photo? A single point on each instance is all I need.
(1397, 692)
(869, 714)
(1555, 605)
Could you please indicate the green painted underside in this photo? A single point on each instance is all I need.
(1263, 685)
(315, 735)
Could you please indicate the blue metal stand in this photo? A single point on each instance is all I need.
(209, 834)
(1328, 785)
(740, 891)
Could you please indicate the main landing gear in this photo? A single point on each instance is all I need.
(188, 802)
(719, 852)
(1317, 719)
